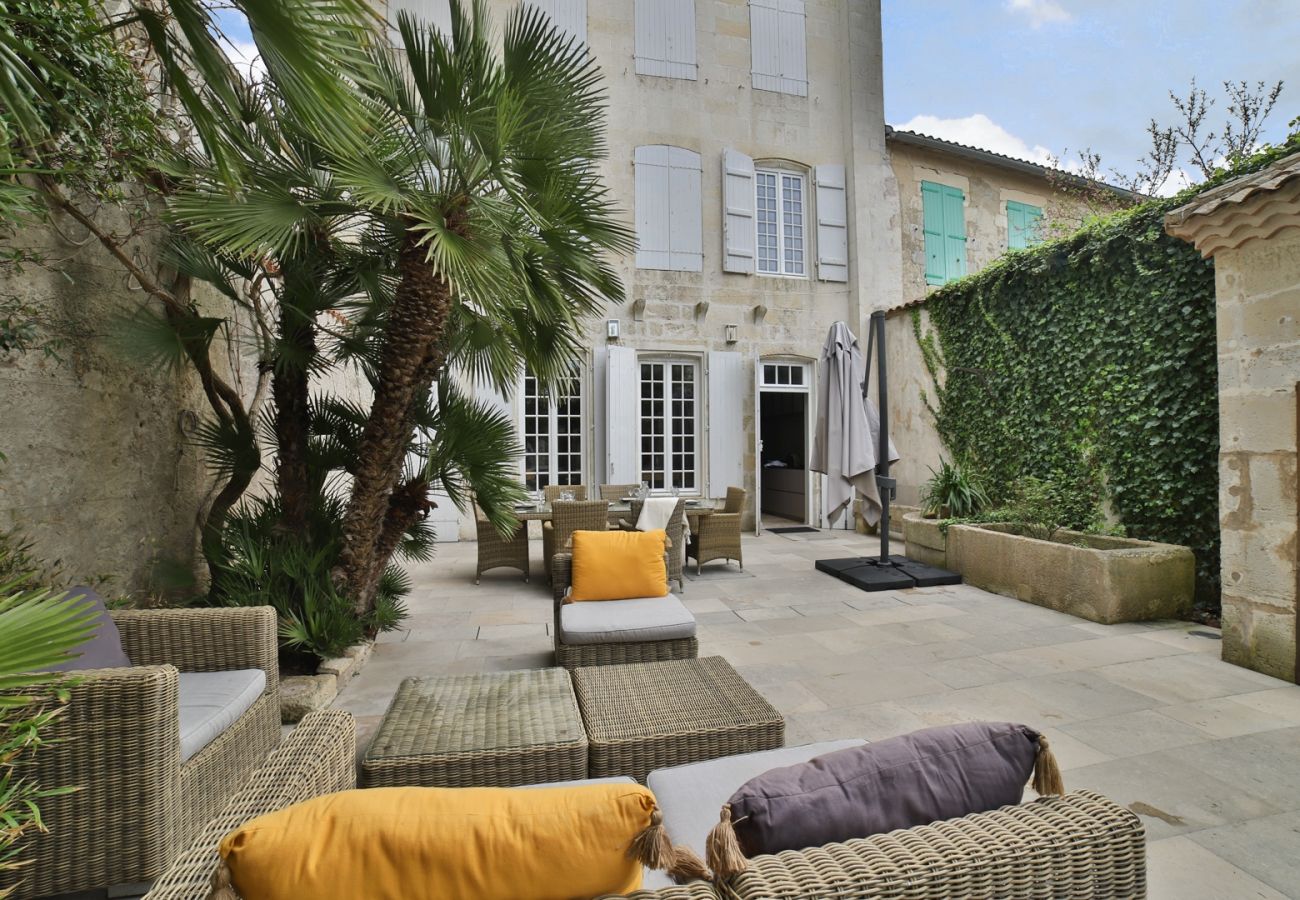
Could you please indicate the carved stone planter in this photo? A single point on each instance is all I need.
(926, 541)
(1103, 579)
(301, 694)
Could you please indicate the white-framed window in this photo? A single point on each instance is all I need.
(665, 38)
(669, 423)
(785, 375)
(552, 432)
(778, 46)
(669, 224)
(779, 222)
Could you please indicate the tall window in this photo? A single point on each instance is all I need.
(669, 424)
(779, 220)
(552, 433)
(778, 46)
(944, 224)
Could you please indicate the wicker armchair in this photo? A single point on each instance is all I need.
(496, 552)
(676, 544)
(568, 516)
(552, 492)
(318, 757)
(616, 492)
(118, 741)
(570, 656)
(718, 536)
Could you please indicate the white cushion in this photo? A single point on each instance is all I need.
(625, 621)
(210, 702)
(691, 796)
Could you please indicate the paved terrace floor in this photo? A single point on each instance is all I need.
(1208, 754)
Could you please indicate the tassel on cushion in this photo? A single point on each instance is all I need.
(222, 889)
(651, 847)
(724, 854)
(1047, 773)
(687, 866)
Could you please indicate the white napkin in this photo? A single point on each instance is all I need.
(656, 512)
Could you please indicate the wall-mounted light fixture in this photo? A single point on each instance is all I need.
(732, 333)
(611, 329)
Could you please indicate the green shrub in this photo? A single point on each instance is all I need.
(954, 488)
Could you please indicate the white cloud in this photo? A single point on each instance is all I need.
(244, 56)
(1178, 179)
(1040, 12)
(982, 132)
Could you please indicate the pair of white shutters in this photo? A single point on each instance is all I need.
(778, 46)
(669, 229)
(725, 387)
(665, 38)
(738, 232)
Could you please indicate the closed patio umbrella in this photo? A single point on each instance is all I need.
(846, 439)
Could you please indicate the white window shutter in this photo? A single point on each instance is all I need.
(686, 228)
(728, 384)
(764, 44)
(665, 38)
(621, 391)
(652, 211)
(832, 224)
(737, 212)
(569, 16)
(793, 47)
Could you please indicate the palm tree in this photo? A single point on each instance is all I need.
(464, 233)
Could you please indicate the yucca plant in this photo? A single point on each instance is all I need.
(39, 631)
(953, 490)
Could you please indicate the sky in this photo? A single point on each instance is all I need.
(1035, 78)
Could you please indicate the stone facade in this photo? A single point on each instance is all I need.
(1251, 227)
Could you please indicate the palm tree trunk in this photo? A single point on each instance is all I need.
(417, 321)
(289, 389)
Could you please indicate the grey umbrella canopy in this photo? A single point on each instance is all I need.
(846, 440)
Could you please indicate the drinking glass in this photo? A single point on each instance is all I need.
(566, 495)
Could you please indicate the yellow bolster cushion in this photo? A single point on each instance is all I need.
(444, 844)
(618, 565)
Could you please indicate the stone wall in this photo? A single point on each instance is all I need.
(1251, 227)
(101, 474)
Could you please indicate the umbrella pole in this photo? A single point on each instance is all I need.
(884, 482)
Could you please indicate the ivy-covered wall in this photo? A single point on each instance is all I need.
(1090, 361)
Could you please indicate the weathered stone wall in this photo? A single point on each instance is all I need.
(987, 190)
(1258, 293)
(101, 474)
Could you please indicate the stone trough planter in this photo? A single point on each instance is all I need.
(301, 694)
(1102, 579)
(926, 541)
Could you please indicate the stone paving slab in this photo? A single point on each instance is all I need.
(1208, 754)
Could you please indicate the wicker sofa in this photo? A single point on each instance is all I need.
(669, 617)
(1060, 848)
(119, 741)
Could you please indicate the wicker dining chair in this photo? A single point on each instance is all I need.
(616, 492)
(676, 538)
(552, 492)
(496, 552)
(718, 535)
(568, 516)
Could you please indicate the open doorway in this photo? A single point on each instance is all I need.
(784, 407)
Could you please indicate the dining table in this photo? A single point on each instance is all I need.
(696, 509)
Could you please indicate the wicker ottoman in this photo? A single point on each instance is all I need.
(492, 730)
(645, 716)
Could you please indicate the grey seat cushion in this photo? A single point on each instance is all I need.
(210, 702)
(691, 796)
(626, 621)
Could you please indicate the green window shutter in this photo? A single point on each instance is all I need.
(936, 271)
(954, 220)
(1023, 223)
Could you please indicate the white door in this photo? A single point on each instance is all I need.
(758, 446)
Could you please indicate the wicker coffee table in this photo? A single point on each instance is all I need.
(644, 716)
(496, 729)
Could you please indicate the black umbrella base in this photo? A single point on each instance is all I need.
(869, 574)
